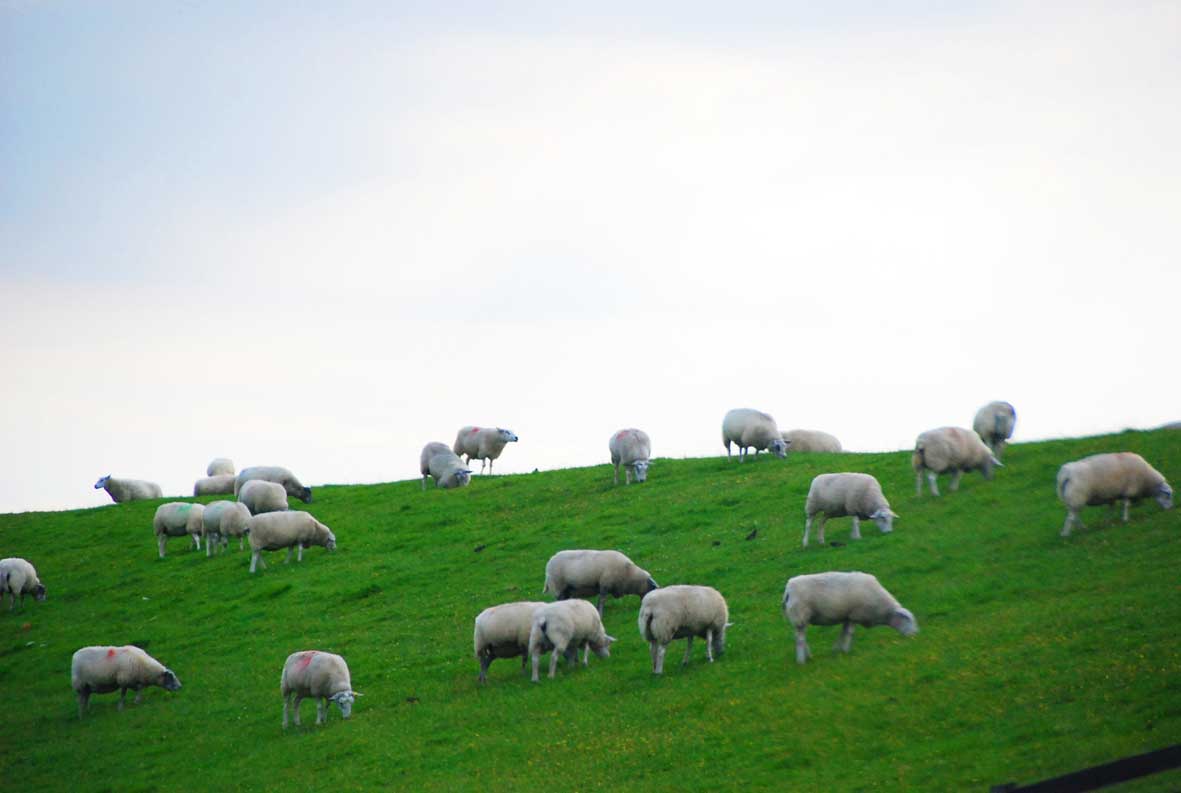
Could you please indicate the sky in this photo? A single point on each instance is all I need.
(323, 235)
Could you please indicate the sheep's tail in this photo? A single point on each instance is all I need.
(548, 586)
(786, 595)
(1062, 483)
(648, 626)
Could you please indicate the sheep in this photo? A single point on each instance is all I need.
(503, 632)
(273, 531)
(561, 628)
(952, 449)
(630, 448)
(1109, 478)
(811, 441)
(841, 495)
(994, 424)
(574, 574)
(682, 612)
(261, 496)
(482, 443)
(101, 670)
(222, 520)
(276, 474)
(321, 676)
(219, 466)
(444, 465)
(176, 519)
(754, 429)
(121, 490)
(18, 578)
(221, 484)
(841, 598)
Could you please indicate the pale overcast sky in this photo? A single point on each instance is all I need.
(321, 235)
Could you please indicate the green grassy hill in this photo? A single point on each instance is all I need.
(1037, 656)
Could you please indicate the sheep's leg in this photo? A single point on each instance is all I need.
(299, 557)
(197, 540)
(727, 450)
(1127, 503)
(83, 702)
(601, 597)
(802, 651)
(553, 660)
(918, 483)
(627, 474)
(286, 699)
(254, 560)
(807, 528)
(241, 543)
(820, 528)
(661, 649)
(160, 543)
(207, 545)
(689, 651)
(955, 480)
(709, 645)
(616, 473)
(585, 654)
(321, 707)
(856, 528)
(288, 559)
(536, 663)
(122, 697)
(931, 481)
(845, 642)
(295, 707)
(742, 454)
(485, 662)
(652, 650)
(139, 696)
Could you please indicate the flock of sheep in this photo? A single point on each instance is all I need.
(569, 623)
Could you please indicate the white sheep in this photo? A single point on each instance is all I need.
(752, 429)
(811, 441)
(482, 443)
(632, 449)
(994, 424)
(561, 628)
(321, 676)
(222, 520)
(221, 484)
(444, 465)
(841, 599)
(585, 573)
(683, 611)
(18, 578)
(273, 531)
(953, 449)
(122, 490)
(1106, 479)
(842, 495)
(503, 632)
(176, 519)
(101, 670)
(261, 496)
(277, 474)
(219, 466)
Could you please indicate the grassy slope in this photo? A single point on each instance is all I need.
(1037, 655)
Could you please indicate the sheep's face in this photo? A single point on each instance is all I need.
(641, 469)
(344, 700)
(508, 436)
(904, 622)
(719, 642)
(330, 543)
(1164, 497)
(462, 477)
(884, 518)
(602, 647)
(169, 681)
(778, 448)
(305, 495)
(100, 484)
(649, 586)
(39, 592)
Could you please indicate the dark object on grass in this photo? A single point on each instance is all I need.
(754, 533)
(479, 548)
(1099, 776)
(412, 700)
(716, 543)
(836, 544)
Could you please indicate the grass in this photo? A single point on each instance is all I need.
(1038, 655)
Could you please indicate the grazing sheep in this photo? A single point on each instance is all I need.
(630, 448)
(1106, 479)
(121, 490)
(101, 670)
(261, 496)
(277, 474)
(321, 676)
(561, 628)
(222, 520)
(994, 424)
(953, 449)
(841, 495)
(811, 441)
(444, 465)
(219, 466)
(841, 598)
(482, 443)
(18, 578)
(503, 632)
(577, 574)
(682, 612)
(273, 531)
(176, 519)
(221, 484)
(752, 429)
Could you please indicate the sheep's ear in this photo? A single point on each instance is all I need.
(893, 514)
(729, 624)
(610, 639)
(997, 463)
(357, 694)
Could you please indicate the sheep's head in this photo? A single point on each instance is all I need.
(989, 464)
(305, 495)
(101, 483)
(602, 646)
(778, 447)
(508, 436)
(39, 591)
(884, 518)
(330, 543)
(719, 642)
(1164, 496)
(344, 700)
(462, 477)
(904, 622)
(169, 680)
(641, 469)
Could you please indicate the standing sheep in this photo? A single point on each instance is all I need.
(444, 465)
(274, 531)
(752, 429)
(121, 490)
(503, 632)
(841, 495)
(811, 441)
(277, 474)
(682, 612)
(841, 599)
(18, 578)
(176, 519)
(953, 449)
(321, 676)
(222, 520)
(101, 670)
(994, 424)
(1106, 479)
(219, 466)
(219, 485)
(261, 496)
(561, 628)
(630, 448)
(577, 574)
(482, 443)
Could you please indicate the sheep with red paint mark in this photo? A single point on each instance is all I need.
(101, 670)
(320, 675)
(482, 443)
(630, 448)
